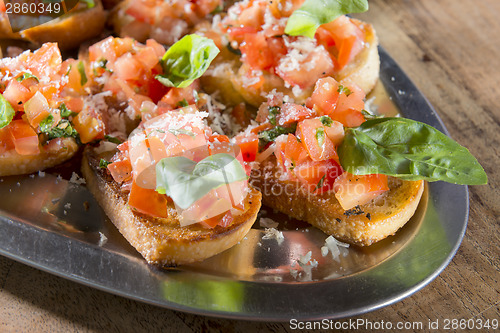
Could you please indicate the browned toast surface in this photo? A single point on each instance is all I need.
(363, 225)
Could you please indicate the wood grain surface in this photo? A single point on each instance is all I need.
(451, 50)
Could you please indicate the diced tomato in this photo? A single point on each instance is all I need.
(335, 132)
(279, 151)
(325, 96)
(352, 97)
(294, 152)
(255, 52)
(46, 61)
(140, 11)
(6, 142)
(157, 47)
(128, 68)
(348, 39)
(350, 117)
(37, 109)
(249, 145)
(89, 125)
(120, 170)
(148, 201)
(303, 75)
(17, 94)
(224, 220)
(352, 190)
(291, 113)
(313, 136)
(261, 127)
(218, 138)
(156, 90)
(24, 137)
(318, 176)
(175, 96)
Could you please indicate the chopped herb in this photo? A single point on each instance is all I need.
(112, 139)
(89, 3)
(46, 124)
(321, 181)
(103, 164)
(102, 63)
(83, 75)
(69, 70)
(344, 90)
(183, 103)
(273, 112)
(64, 129)
(368, 216)
(27, 76)
(271, 134)
(326, 121)
(338, 220)
(320, 136)
(65, 112)
(292, 166)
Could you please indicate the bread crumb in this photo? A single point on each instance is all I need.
(77, 180)
(102, 239)
(271, 233)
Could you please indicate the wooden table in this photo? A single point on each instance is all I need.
(451, 49)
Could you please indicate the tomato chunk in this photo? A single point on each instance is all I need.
(318, 176)
(249, 145)
(120, 170)
(24, 137)
(147, 201)
(352, 190)
(315, 140)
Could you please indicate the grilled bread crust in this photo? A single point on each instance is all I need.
(11, 163)
(370, 223)
(162, 241)
(227, 75)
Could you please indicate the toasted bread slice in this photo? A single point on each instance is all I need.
(52, 154)
(69, 30)
(370, 223)
(228, 77)
(162, 241)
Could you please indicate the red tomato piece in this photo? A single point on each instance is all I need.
(313, 136)
(249, 145)
(352, 190)
(120, 170)
(291, 113)
(148, 201)
(24, 137)
(318, 176)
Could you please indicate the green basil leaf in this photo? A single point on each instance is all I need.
(187, 60)
(313, 13)
(25, 76)
(410, 150)
(7, 112)
(186, 181)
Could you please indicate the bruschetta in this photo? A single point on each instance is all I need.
(166, 22)
(36, 129)
(300, 172)
(265, 58)
(172, 222)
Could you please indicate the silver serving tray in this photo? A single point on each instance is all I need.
(57, 226)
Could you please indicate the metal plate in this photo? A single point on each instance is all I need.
(56, 226)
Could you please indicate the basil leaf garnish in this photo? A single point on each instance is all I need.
(187, 60)
(7, 112)
(64, 129)
(186, 181)
(410, 150)
(313, 13)
(271, 134)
